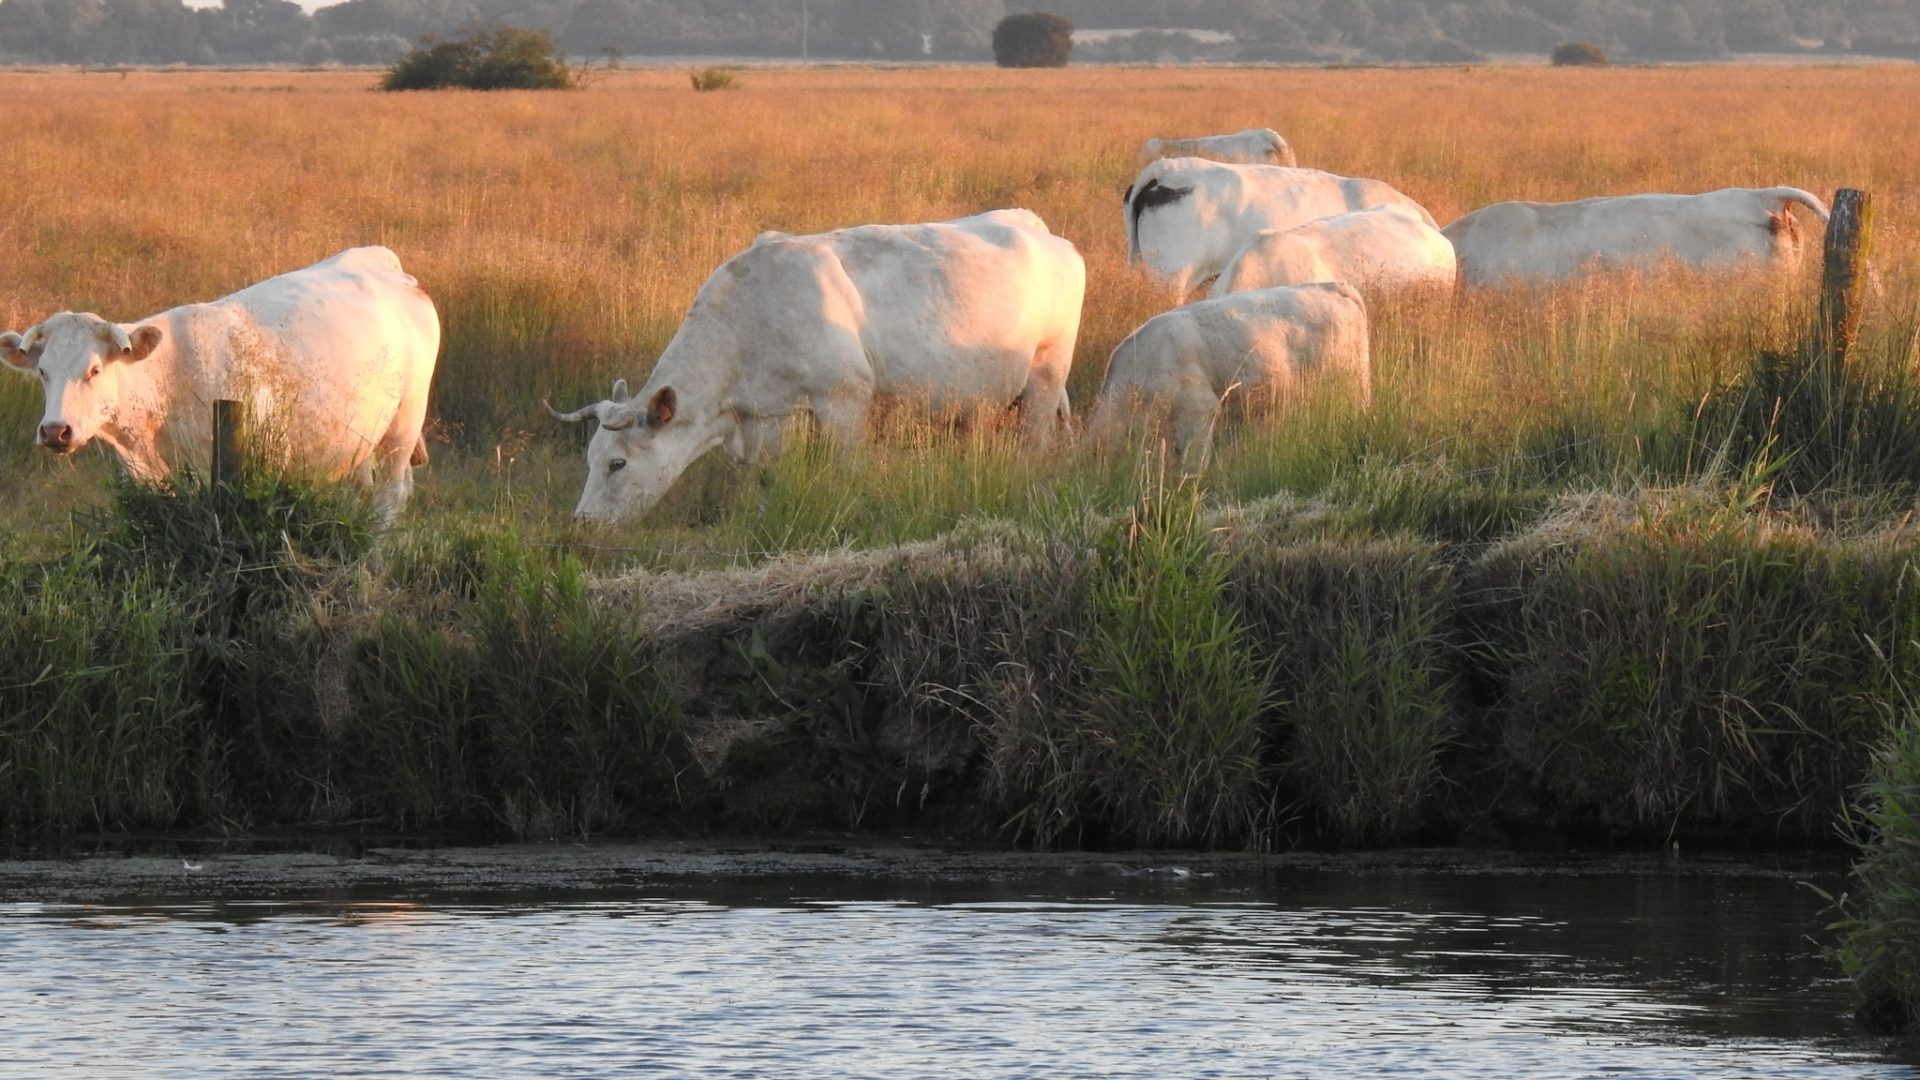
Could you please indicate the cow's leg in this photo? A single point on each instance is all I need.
(392, 482)
(1044, 408)
(842, 412)
(756, 439)
(390, 472)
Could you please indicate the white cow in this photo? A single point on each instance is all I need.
(1539, 243)
(1255, 146)
(333, 363)
(1186, 217)
(1379, 250)
(1250, 348)
(982, 311)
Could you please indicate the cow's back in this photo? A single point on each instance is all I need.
(1265, 340)
(1530, 241)
(1186, 217)
(1379, 247)
(1255, 146)
(956, 310)
(1254, 347)
(328, 356)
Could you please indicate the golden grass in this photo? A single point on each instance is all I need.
(565, 234)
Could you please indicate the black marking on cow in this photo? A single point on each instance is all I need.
(1151, 194)
(1155, 194)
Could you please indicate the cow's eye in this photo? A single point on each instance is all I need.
(91, 372)
(616, 464)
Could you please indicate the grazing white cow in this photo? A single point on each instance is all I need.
(1250, 348)
(1186, 217)
(1540, 243)
(1379, 250)
(333, 361)
(1255, 146)
(982, 311)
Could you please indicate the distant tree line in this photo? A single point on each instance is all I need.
(378, 31)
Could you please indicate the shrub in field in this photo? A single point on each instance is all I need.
(1579, 54)
(500, 58)
(1034, 39)
(714, 78)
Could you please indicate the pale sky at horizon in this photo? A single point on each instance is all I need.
(310, 5)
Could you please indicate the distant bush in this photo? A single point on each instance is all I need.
(1580, 54)
(1037, 39)
(500, 58)
(714, 78)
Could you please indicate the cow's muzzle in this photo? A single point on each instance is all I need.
(57, 437)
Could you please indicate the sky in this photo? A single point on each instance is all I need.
(310, 5)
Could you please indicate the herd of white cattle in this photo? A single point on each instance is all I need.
(980, 312)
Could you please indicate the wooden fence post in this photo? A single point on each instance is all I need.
(228, 421)
(1843, 277)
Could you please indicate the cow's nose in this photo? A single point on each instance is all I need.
(56, 436)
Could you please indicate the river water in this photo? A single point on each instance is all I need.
(1100, 972)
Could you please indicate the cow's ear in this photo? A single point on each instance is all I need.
(660, 409)
(13, 350)
(142, 342)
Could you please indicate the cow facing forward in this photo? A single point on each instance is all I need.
(333, 362)
(1541, 243)
(1255, 146)
(1186, 217)
(982, 311)
(1256, 348)
(1379, 251)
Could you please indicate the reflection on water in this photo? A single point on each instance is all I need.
(1301, 974)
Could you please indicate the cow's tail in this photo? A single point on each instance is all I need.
(1788, 195)
(419, 455)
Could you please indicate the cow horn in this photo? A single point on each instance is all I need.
(619, 418)
(619, 392)
(594, 410)
(121, 342)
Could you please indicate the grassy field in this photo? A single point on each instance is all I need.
(564, 235)
(1583, 567)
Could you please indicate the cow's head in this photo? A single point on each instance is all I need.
(80, 360)
(640, 449)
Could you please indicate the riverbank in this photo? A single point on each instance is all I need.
(1431, 662)
(343, 866)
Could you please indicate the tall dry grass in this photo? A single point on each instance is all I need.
(564, 235)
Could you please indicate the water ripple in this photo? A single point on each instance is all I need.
(1439, 981)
